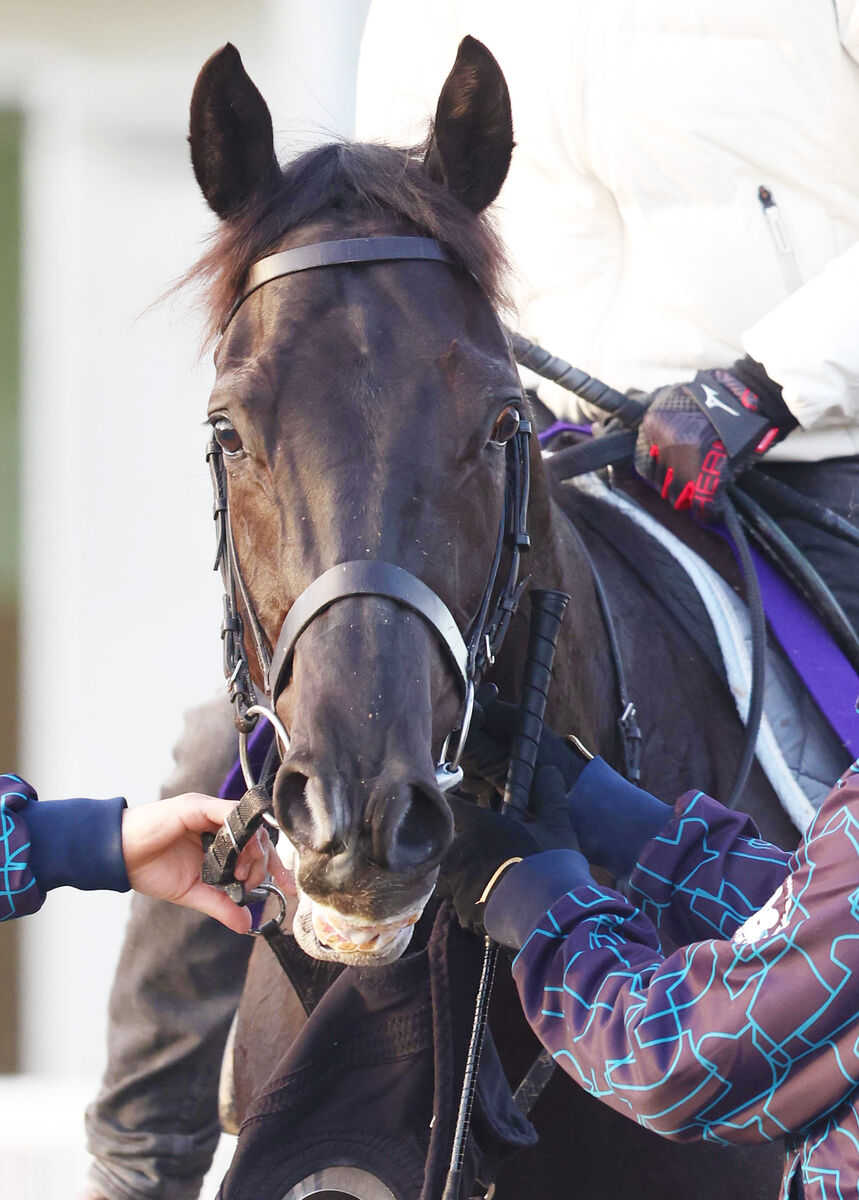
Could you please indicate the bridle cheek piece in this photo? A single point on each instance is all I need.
(469, 654)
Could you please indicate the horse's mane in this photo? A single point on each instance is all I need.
(348, 176)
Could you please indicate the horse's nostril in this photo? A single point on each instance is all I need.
(310, 810)
(413, 829)
(290, 804)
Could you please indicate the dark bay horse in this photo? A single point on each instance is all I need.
(363, 412)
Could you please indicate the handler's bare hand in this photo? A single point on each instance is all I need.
(163, 852)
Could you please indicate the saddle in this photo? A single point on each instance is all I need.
(802, 743)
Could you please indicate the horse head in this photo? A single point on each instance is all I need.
(364, 413)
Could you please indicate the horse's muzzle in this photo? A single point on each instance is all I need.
(366, 849)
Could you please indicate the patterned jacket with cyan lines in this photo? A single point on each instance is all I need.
(750, 1031)
(19, 892)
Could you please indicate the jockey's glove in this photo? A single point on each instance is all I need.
(612, 818)
(488, 846)
(696, 437)
(487, 749)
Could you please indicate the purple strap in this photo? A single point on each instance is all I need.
(814, 654)
(259, 741)
(563, 427)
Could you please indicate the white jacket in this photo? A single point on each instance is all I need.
(644, 130)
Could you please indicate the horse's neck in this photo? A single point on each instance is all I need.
(585, 675)
(583, 694)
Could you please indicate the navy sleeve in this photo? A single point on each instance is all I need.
(528, 890)
(613, 819)
(44, 845)
(78, 843)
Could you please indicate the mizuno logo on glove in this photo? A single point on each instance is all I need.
(711, 400)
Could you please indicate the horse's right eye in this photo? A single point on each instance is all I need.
(227, 436)
(506, 426)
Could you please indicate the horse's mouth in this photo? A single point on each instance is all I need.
(325, 933)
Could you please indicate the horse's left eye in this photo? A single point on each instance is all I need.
(227, 436)
(506, 426)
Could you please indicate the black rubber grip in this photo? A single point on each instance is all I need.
(547, 612)
(549, 366)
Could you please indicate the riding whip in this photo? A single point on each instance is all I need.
(547, 612)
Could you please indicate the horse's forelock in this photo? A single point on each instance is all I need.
(344, 177)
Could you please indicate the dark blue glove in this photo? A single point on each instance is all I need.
(486, 845)
(611, 817)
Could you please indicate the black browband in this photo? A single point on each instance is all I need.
(335, 254)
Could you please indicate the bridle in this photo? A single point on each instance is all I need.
(468, 653)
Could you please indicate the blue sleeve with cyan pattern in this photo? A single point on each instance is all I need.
(706, 872)
(19, 892)
(745, 1038)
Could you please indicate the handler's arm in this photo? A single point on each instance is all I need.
(696, 871)
(741, 1041)
(154, 1126)
(63, 842)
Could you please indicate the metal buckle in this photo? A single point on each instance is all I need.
(628, 722)
(259, 710)
(448, 778)
(267, 889)
(451, 765)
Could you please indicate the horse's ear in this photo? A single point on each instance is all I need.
(232, 144)
(472, 136)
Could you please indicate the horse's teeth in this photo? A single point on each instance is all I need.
(340, 932)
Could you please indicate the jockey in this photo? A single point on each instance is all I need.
(662, 222)
(102, 844)
(748, 1033)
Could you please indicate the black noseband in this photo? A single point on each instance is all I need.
(364, 578)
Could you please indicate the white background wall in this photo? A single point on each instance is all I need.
(120, 606)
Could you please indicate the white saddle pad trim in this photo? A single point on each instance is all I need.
(730, 619)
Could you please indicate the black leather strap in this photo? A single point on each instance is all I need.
(365, 578)
(335, 254)
(310, 978)
(222, 852)
(534, 1082)
(593, 454)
